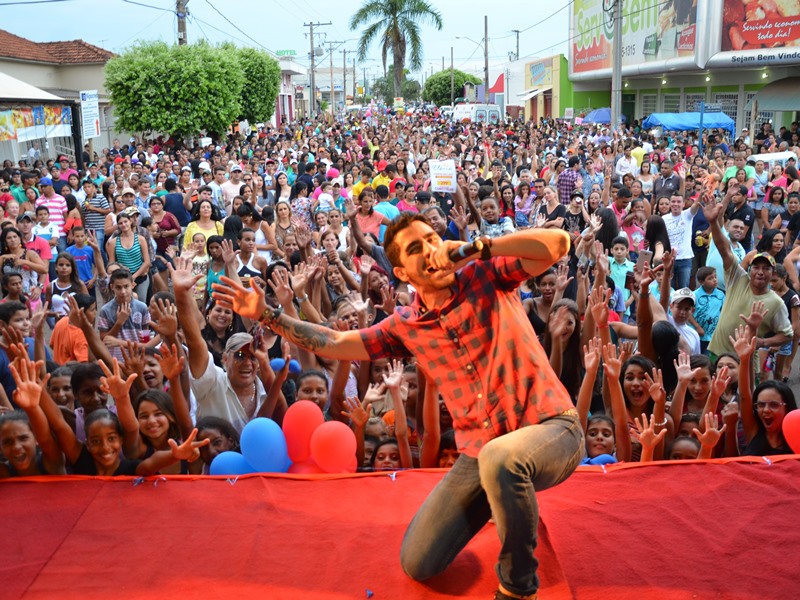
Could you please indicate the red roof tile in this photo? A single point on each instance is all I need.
(71, 52)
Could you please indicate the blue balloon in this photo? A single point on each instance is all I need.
(264, 446)
(230, 463)
(278, 363)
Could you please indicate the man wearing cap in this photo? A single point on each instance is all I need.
(681, 308)
(17, 189)
(66, 170)
(679, 229)
(382, 178)
(743, 288)
(41, 246)
(230, 189)
(95, 175)
(569, 180)
(236, 392)
(745, 137)
(57, 206)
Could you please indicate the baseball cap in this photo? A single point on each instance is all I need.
(16, 172)
(236, 168)
(764, 256)
(131, 211)
(238, 341)
(683, 294)
(126, 191)
(45, 181)
(332, 173)
(381, 165)
(269, 161)
(28, 214)
(204, 166)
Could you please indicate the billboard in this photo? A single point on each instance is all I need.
(756, 33)
(539, 73)
(656, 36)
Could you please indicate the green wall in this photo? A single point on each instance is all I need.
(594, 99)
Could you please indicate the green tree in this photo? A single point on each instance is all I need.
(437, 86)
(395, 24)
(383, 88)
(178, 90)
(262, 80)
(411, 89)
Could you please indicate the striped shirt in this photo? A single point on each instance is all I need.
(95, 220)
(57, 207)
(130, 258)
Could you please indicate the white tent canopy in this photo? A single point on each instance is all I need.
(14, 89)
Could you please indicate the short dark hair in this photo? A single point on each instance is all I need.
(704, 273)
(9, 309)
(122, 273)
(400, 223)
(620, 239)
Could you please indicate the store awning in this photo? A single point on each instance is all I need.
(12, 88)
(533, 92)
(783, 94)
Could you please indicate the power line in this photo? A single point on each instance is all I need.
(169, 10)
(567, 5)
(232, 24)
(215, 28)
(138, 33)
(32, 2)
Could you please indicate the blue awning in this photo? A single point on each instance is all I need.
(689, 120)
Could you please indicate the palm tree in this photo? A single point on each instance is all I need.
(396, 23)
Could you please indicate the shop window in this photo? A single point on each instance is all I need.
(693, 102)
(671, 103)
(729, 104)
(648, 104)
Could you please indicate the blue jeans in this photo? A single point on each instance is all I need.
(681, 273)
(502, 483)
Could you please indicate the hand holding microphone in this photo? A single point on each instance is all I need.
(481, 247)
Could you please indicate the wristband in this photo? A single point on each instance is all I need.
(270, 315)
(301, 299)
(662, 424)
(486, 251)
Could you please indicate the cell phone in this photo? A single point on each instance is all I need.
(629, 279)
(645, 258)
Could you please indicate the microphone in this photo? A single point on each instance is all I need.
(466, 251)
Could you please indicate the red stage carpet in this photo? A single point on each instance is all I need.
(722, 529)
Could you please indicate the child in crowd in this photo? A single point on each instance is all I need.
(708, 305)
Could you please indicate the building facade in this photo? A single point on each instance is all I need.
(679, 53)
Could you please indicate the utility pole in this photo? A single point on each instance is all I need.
(333, 94)
(616, 67)
(443, 63)
(452, 80)
(516, 55)
(312, 100)
(486, 59)
(180, 13)
(344, 75)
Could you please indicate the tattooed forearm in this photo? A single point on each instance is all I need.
(314, 338)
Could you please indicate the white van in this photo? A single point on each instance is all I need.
(477, 113)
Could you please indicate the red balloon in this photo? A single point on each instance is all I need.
(353, 466)
(791, 430)
(308, 467)
(299, 423)
(333, 446)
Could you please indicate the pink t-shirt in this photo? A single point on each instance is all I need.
(370, 223)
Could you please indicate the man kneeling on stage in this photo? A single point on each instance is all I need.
(515, 424)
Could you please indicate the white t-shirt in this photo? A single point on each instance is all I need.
(679, 230)
(689, 334)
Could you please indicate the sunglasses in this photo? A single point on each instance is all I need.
(240, 356)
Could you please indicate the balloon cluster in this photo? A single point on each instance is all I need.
(306, 444)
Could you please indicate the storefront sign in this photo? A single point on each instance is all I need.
(286, 53)
(652, 32)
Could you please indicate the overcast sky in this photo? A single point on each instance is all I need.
(116, 24)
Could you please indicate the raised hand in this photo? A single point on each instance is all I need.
(113, 383)
(598, 304)
(388, 299)
(591, 354)
(712, 210)
(164, 318)
(645, 431)
(395, 376)
(756, 317)
(300, 277)
(91, 239)
(602, 259)
(683, 367)
(133, 358)
(559, 323)
(562, 278)
(188, 450)
(668, 260)
(744, 343)
(730, 414)
(38, 316)
(366, 265)
(710, 437)
(79, 313)
(229, 255)
(626, 350)
(279, 282)
(612, 365)
(350, 208)
(458, 215)
(359, 415)
(376, 392)
(171, 363)
(719, 382)
(13, 342)
(29, 384)
(247, 303)
(655, 386)
(181, 274)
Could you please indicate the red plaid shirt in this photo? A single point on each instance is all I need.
(482, 352)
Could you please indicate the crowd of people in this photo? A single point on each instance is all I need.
(672, 322)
